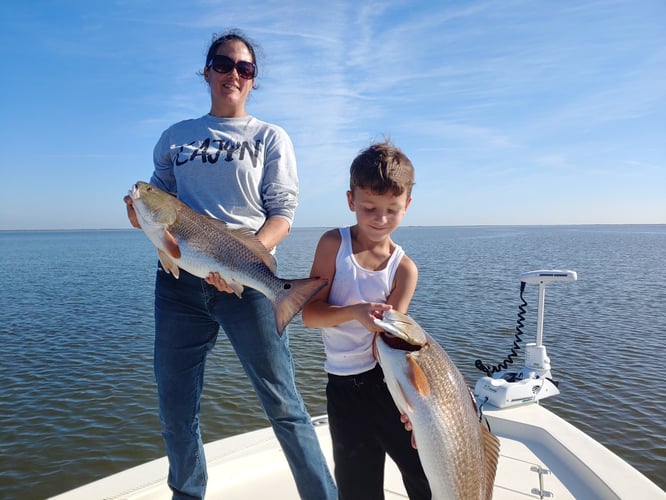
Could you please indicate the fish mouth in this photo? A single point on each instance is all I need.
(398, 343)
(401, 327)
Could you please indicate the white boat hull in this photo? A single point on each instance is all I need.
(541, 456)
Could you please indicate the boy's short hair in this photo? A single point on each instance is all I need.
(382, 168)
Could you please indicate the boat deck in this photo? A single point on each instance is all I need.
(541, 456)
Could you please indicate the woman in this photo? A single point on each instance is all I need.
(234, 167)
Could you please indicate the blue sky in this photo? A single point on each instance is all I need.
(512, 111)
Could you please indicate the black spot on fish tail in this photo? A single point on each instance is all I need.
(292, 297)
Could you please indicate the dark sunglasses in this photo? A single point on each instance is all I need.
(224, 64)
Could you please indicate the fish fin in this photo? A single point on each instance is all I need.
(250, 240)
(417, 377)
(237, 287)
(171, 247)
(491, 449)
(221, 225)
(168, 265)
(292, 298)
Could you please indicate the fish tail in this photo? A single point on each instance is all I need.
(292, 298)
(491, 448)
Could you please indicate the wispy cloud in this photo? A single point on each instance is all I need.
(489, 98)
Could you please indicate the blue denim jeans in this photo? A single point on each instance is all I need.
(188, 316)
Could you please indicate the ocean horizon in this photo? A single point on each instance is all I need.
(405, 226)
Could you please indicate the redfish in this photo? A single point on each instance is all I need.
(459, 454)
(201, 245)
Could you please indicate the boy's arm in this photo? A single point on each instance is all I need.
(318, 313)
(404, 285)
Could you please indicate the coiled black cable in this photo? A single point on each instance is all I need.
(488, 369)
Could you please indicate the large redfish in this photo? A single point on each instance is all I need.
(201, 245)
(459, 455)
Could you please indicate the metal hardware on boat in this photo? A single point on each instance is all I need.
(540, 470)
(321, 420)
(540, 490)
(541, 493)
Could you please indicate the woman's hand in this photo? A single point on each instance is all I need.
(216, 280)
(131, 214)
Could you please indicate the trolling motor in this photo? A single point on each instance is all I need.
(502, 387)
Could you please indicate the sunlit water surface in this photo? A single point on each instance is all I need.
(77, 395)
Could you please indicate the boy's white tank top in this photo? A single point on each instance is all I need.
(349, 345)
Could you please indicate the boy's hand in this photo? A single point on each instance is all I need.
(366, 312)
(408, 427)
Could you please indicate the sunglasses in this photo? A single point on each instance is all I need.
(224, 64)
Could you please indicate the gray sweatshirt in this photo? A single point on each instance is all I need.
(239, 170)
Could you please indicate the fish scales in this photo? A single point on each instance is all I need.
(213, 249)
(455, 421)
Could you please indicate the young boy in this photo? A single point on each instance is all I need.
(367, 274)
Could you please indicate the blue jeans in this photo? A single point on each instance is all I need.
(188, 315)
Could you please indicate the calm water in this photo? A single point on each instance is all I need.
(77, 397)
